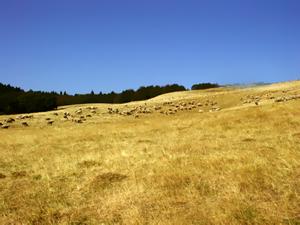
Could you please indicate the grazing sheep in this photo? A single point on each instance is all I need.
(5, 126)
(55, 114)
(48, 118)
(50, 122)
(92, 107)
(67, 114)
(215, 109)
(200, 111)
(297, 96)
(79, 111)
(93, 111)
(10, 120)
(88, 115)
(77, 120)
(25, 124)
(279, 99)
(20, 117)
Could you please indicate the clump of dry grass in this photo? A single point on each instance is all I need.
(237, 166)
(88, 164)
(105, 180)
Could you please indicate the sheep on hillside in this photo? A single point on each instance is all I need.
(25, 124)
(5, 126)
(79, 111)
(10, 120)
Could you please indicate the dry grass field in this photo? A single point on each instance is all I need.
(217, 156)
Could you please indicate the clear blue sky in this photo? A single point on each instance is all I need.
(105, 45)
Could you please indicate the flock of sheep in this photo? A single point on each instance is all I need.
(268, 96)
(77, 118)
(6, 123)
(165, 108)
(82, 114)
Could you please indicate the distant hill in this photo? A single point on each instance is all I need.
(242, 85)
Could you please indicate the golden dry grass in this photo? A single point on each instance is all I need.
(240, 165)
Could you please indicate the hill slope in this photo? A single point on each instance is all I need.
(220, 156)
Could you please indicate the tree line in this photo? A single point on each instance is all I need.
(16, 100)
(204, 86)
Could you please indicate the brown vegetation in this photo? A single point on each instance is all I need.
(173, 165)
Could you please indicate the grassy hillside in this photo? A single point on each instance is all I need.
(220, 156)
